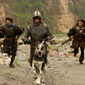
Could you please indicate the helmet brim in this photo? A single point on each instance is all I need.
(37, 17)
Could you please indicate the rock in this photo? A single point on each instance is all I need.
(49, 66)
(2, 13)
(7, 61)
(1, 61)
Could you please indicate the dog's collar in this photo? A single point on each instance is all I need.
(39, 59)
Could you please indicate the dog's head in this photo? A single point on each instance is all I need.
(40, 50)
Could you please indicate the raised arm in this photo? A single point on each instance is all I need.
(72, 32)
(18, 30)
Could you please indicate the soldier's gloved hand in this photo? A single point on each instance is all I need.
(46, 39)
(26, 41)
(71, 36)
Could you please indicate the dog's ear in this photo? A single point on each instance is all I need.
(43, 42)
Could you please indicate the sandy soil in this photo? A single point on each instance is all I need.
(61, 70)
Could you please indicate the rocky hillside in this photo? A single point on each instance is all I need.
(77, 7)
(2, 13)
(55, 13)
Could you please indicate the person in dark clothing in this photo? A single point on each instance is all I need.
(77, 33)
(11, 34)
(38, 32)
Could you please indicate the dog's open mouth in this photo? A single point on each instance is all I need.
(40, 55)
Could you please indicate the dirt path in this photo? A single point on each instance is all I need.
(61, 70)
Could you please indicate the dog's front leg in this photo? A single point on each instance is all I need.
(34, 70)
(43, 78)
(43, 75)
(39, 79)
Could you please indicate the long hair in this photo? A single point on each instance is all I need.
(10, 19)
(83, 21)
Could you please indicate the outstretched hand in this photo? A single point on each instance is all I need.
(26, 41)
(71, 37)
(81, 31)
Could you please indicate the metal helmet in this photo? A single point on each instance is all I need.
(37, 14)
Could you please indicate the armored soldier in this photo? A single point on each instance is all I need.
(11, 33)
(77, 33)
(37, 31)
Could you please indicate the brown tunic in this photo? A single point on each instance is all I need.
(79, 39)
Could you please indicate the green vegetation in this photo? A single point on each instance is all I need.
(22, 11)
(60, 35)
(78, 8)
(50, 47)
(16, 61)
(72, 8)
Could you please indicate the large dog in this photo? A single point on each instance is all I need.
(38, 64)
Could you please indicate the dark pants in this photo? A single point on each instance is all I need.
(76, 50)
(82, 55)
(32, 50)
(10, 47)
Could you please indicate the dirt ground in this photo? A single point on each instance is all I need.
(62, 69)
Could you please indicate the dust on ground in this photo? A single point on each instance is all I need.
(62, 68)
